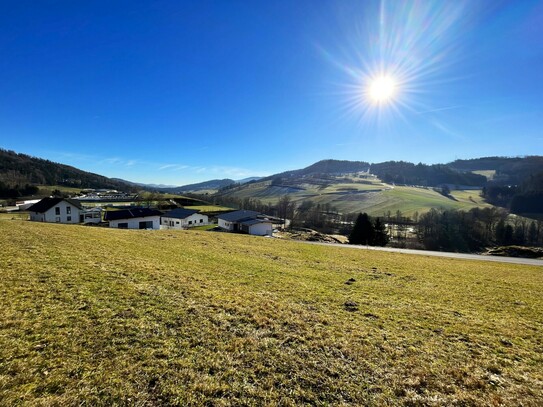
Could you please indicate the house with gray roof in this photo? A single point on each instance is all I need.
(133, 218)
(243, 221)
(59, 210)
(181, 218)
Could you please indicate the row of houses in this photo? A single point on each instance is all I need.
(64, 210)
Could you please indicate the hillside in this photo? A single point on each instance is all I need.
(211, 185)
(357, 186)
(507, 170)
(400, 172)
(352, 194)
(200, 318)
(331, 167)
(18, 170)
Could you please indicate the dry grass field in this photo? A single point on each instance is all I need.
(92, 316)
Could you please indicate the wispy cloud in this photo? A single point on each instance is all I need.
(173, 167)
(446, 130)
(440, 109)
(137, 170)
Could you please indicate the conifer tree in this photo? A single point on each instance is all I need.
(380, 235)
(363, 231)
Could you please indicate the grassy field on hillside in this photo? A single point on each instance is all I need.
(364, 195)
(94, 316)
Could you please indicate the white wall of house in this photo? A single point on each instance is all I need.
(196, 219)
(261, 229)
(63, 212)
(223, 224)
(134, 223)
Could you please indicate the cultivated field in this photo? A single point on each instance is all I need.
(92, 316)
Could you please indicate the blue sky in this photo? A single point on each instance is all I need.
(177, 92)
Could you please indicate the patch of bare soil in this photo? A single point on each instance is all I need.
(311, 236)
(516, 251)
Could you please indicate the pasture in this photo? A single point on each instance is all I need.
(94, 316)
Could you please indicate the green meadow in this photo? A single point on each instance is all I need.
(363, 195)
(96, 316)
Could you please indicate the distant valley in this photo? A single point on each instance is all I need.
(344, 186)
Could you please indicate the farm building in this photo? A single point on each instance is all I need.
(93, 215)
(181, 218)
(134, 218)
(60, 210)
(243, 221)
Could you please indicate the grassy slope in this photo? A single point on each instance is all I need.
(100, 316)
(374, 198)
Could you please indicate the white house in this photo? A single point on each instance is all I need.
(60, 210)
(134, 218)
(243, 221)
(181, 218)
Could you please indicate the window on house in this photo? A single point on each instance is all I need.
(68, 210)
(146, 225)
(57, 211)
(177, 223)
(69, 218)
(201, 221)
(123, 225)
(190, 222)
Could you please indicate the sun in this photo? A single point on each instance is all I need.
(382, 89)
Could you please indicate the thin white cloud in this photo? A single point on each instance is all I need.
(440, 109)
(446, 130)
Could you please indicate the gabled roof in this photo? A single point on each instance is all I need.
(179, 213)
(237, 216)
(131, 213)
(47, 203)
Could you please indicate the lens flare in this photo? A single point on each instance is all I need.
(382, 89)
(394, 59)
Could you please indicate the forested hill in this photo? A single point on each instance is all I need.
(508, 170)
(20, 170)
(201, 186)
(326, 167)
(401, 172)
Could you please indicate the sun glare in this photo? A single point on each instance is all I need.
(382, 89)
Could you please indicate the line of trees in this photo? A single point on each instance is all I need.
(476, 229)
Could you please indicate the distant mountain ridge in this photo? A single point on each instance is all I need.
(213, 184)
(20, 170)
(512, 170)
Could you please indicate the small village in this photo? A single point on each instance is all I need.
(74, 211)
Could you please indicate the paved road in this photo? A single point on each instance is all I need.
(499, 259)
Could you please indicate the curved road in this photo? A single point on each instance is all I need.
(499, 259)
